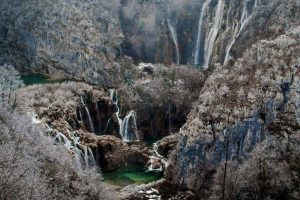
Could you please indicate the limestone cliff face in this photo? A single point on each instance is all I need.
(241, 106)
(69, 38)
(148, 28)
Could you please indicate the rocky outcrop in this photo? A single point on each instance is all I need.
(166, 145)
(240, 106)
(70, 106)
(111, 152)
(72, 39)
(84, 111)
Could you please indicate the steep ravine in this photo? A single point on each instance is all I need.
(216, 81)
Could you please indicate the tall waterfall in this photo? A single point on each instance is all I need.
(175, 40)
(124, 128)
(88, 115)
(245, 18)
(199, 35)
(210, 39)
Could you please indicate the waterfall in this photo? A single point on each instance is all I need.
(255, 3)
(89, 116)
(210, 40)
(199, 35)
(72, 144)
(175, 40)
(98, 117)
(64, 140)
(169, 118)
(80, 115)
(91, 156)
(227, 55)
(124, 124)
(114, 98)
(126, 135)
(86, 157)
(107, 125)
(245, 18)
(156, 156)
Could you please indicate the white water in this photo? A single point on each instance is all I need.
(91, 156)
(86, 156)
(124, 124)
(80, 115)
(98, 116)
(169, 118)
(125, 133)
(175, 40)
(227, 55)
(106, 125)
(210, 40)
(199, 35)
(156, 156)
(88, 115)
(72, 145)
(245, 18)
(114, 98)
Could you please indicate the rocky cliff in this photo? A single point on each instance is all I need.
(202, 32)
(251, 106)
(73, 39)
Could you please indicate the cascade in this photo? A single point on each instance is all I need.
(91, 156)
(72, 145)
(169, 118)
(98, 116)
(75, 151)
(114, 98)
(245, 18)
(124, 124)
(80, 115)
(175, 40)
(126, 135)
(212, 35)
(156, 156)
(256, 3)
(107, 125)
(199, 35)
(86, 157)
(64, 140)
(227, 55)
(89, 116)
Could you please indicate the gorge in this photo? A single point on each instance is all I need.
(140, 99)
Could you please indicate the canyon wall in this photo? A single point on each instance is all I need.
(74, 39)
(251, 106)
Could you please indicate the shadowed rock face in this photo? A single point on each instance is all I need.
(240, 107)
(63, 38)
(161, 97)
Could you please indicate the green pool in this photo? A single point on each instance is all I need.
(131, 174)
(32, 79)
